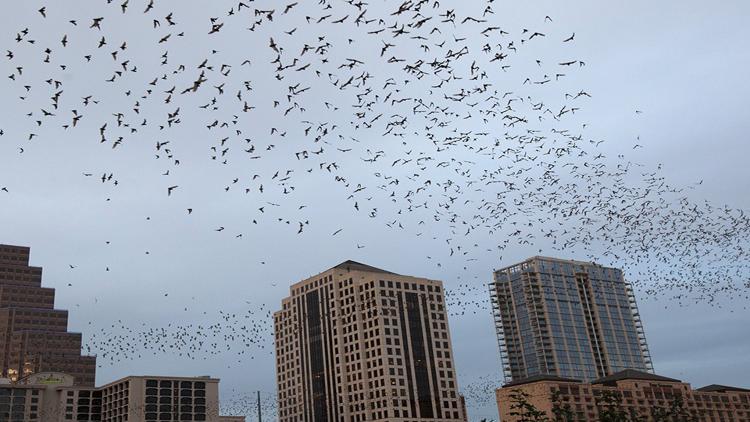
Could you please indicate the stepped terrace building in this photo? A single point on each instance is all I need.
(34, 336)
(357, 343)
(45, 378)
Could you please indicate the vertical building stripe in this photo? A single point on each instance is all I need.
(317, 364)
(407, 355)
(424, 396)
(431, 355)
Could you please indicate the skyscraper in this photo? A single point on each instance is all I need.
(34, 335)
(357, 343)
(566, 318)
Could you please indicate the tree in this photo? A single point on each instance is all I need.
(677, 412)
(525, 411)
(562, 412)
(609, 405)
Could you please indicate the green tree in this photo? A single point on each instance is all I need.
(677, 412)
(563, 412)
(609, 405)
(525, 411)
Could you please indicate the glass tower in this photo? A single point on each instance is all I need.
(566, 318)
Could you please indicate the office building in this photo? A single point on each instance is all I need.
(642, 394)
(566, 318)
(34, 336)
(53, 397)
(357, 343)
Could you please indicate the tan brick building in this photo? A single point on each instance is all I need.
(643, 393)
(34, 336)
(52, 397)
(357, 343)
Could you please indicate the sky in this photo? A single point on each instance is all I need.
(141, 261)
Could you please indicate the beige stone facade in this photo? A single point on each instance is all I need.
(357, 343)
(53, 397)
(642, 393)
(157, 398)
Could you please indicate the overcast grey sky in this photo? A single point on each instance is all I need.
(683, 64)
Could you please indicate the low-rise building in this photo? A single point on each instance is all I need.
(634, 392)
(53, 397)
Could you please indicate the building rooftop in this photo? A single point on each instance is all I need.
(204, 378)
(632, 374)
(716, 388)
(539, 378)
(15, 248)
(549, 258)
(350, 265)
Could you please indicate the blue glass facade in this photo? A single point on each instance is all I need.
(566, 318)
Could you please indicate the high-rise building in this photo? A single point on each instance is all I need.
(357, 343)
(34, 335)
(565, 318)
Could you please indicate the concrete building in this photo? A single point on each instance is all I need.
(357, 343)
(640, 393)
(565, 318)
(34, 336)
(157, 398)
(53, 397)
